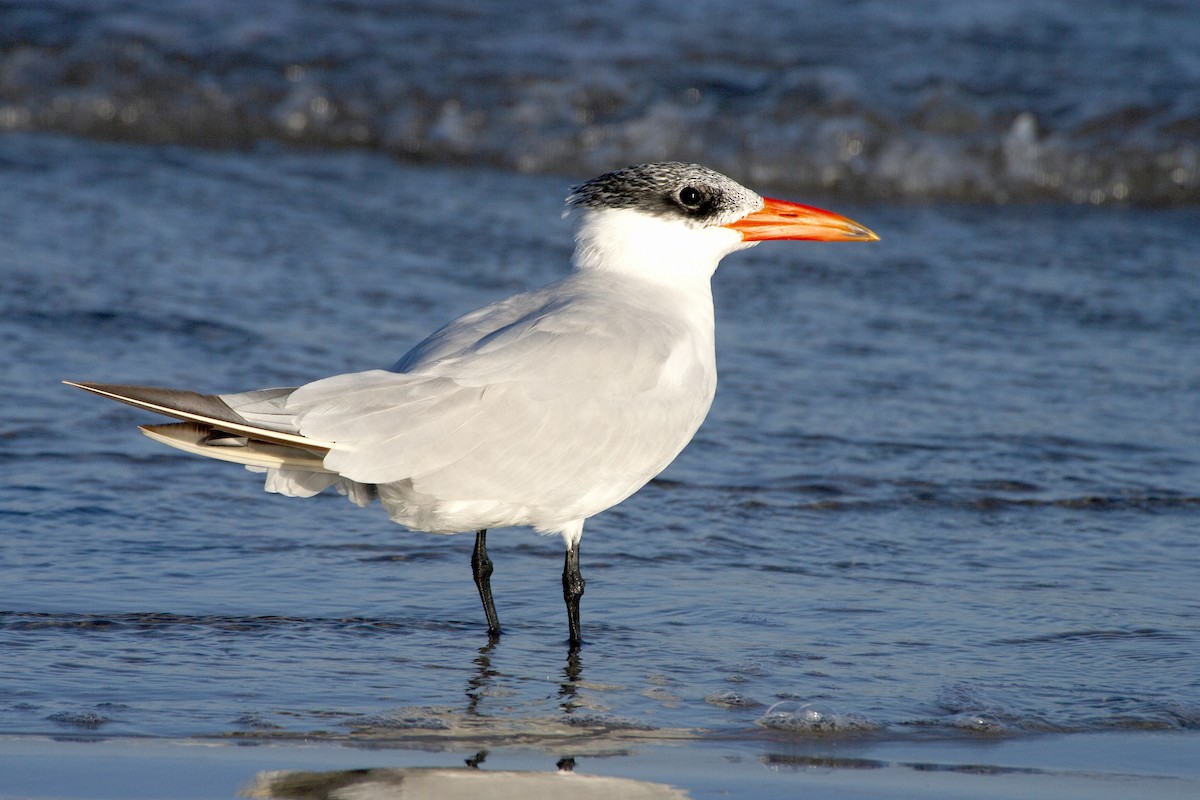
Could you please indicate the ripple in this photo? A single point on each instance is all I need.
(731, 699)
(810, 718)
(158, 621)
(89, 720)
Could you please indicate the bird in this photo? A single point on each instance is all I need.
(539, 410)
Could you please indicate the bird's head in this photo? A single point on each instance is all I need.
(675, 222)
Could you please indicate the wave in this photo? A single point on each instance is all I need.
(982, 101)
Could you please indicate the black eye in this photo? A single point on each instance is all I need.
(690, 197)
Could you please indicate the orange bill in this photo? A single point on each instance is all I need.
(780, 219)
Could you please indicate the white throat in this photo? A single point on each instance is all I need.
(661, 250)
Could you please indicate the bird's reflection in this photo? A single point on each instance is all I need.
(480, 684)
(481, 681)
(568, 688)
(473, 779)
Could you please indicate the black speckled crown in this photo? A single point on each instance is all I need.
(671, 189)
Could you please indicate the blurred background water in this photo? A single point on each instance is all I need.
(989, 100)
(949, 483)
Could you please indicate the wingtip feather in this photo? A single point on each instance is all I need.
(206, 409)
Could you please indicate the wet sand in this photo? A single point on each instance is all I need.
(1118, 765)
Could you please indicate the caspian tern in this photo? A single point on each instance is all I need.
(539, 410)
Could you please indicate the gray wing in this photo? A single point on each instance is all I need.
(558, 395)
(544, 398)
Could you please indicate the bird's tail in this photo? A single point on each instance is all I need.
(250, 428)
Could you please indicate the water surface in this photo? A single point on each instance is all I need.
(1082, 101)
(947, 489)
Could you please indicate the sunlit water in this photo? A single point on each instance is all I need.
(948, 486)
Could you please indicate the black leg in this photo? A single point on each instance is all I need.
(481, 568)
(572, 591)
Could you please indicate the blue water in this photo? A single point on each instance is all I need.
(948, 486)
(1080, 101)
(946, 501)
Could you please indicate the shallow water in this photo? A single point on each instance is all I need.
(947, 489)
